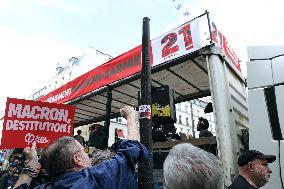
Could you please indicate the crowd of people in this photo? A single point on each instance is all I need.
(65, 164)
(68, 166)
(10, 174)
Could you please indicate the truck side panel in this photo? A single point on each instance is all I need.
(239, 104)
(260, 133)
(266, 110)
(226, 133)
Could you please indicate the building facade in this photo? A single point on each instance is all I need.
(72, 69)
(187, 114)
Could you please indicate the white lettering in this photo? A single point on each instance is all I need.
(36, 126)
(60, 95)
(37, 112)
(26, 112)
(29, 138)
(9, 125)
(13, 110)
(44, 113)
(63, 115)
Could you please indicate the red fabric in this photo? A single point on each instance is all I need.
(231, 54)
(116, 69)
(26, 121)
(120, 134)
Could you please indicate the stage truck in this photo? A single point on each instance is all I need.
(194, 60)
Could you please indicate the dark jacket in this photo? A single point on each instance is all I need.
(4, 181)
(205, 133)
(212, 148)
(241, 183)
(7, 180)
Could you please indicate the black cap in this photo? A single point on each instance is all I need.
(250, 155)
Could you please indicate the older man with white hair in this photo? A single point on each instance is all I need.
(189, 167)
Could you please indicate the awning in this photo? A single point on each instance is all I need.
(182, 66)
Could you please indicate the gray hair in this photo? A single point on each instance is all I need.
(189, 167)
(99, 156)
(58, 156)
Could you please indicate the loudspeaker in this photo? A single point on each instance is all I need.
(163, 105)
(208, 108)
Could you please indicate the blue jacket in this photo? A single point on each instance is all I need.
(110, 174)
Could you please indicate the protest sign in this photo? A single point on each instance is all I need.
(26, 121)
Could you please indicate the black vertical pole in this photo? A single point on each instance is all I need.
(209, 26)
(145, 169)
(107, 121)
(192, 120)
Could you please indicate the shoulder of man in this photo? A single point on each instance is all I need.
(4, 176)
(240, 183)
(205, 133)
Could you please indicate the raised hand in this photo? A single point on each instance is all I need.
(31, 154)
(127, 112)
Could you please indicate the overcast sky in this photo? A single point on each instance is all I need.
(37, 35)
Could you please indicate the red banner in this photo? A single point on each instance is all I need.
(122, 66)
(26, 121)
(220, 40)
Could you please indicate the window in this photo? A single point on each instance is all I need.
(187, 131)
(118, 119)
(197, 103)
(186, 120)
(197, 112)
(178, 106)
(186, 108)
(179, 119)
(55, 84)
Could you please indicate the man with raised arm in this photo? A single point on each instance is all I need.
(70, 167)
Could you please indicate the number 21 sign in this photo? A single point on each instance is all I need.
(177, 42)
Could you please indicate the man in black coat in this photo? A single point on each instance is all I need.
(253, 170)
(202, 126)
